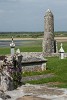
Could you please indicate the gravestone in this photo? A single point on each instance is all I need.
(61, 51)
(12, 45)
(17, 70)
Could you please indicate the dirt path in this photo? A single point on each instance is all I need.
(37, 77)
(59, 39)
(21, 38)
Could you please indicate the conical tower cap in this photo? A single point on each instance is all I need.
(48, 13)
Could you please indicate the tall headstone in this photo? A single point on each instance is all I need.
(17, 70)
(48, 41)
(12, 45)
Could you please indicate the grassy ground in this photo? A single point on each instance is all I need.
(5, 51)
(54, 64)
(31, 46)
(59, 68)
(26, 46)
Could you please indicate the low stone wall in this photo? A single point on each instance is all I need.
(50, 55)
(32, 54)
(40, 54)
(54, 55)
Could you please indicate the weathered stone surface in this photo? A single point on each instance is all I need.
(32, 54)
(37, 92)
(42, 90)
(3, 96)
(49, 21)
(31, 98)
(48, 41)
(5, 78)
(33, 61)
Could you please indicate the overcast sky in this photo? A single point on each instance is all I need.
(28, 15)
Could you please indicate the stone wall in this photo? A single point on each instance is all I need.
(41, 54)
(32, 54)
(31, 68)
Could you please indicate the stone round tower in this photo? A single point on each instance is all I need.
(49, 21)
(48, 41)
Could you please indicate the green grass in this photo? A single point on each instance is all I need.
(59, 68)
(31, 49)
(26, 46)
(30, 46)
(35, 73)
(4, 50)
(54, 64)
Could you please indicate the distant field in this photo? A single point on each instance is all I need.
(29, 34)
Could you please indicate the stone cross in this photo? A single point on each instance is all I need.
(12, 45)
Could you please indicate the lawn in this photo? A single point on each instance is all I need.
(24, 46)
(59, 68)
(54, 64)
(29, 46)
(5, 51)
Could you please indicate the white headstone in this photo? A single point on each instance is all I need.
(43, 67)
(18, 51)
(61, 51)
